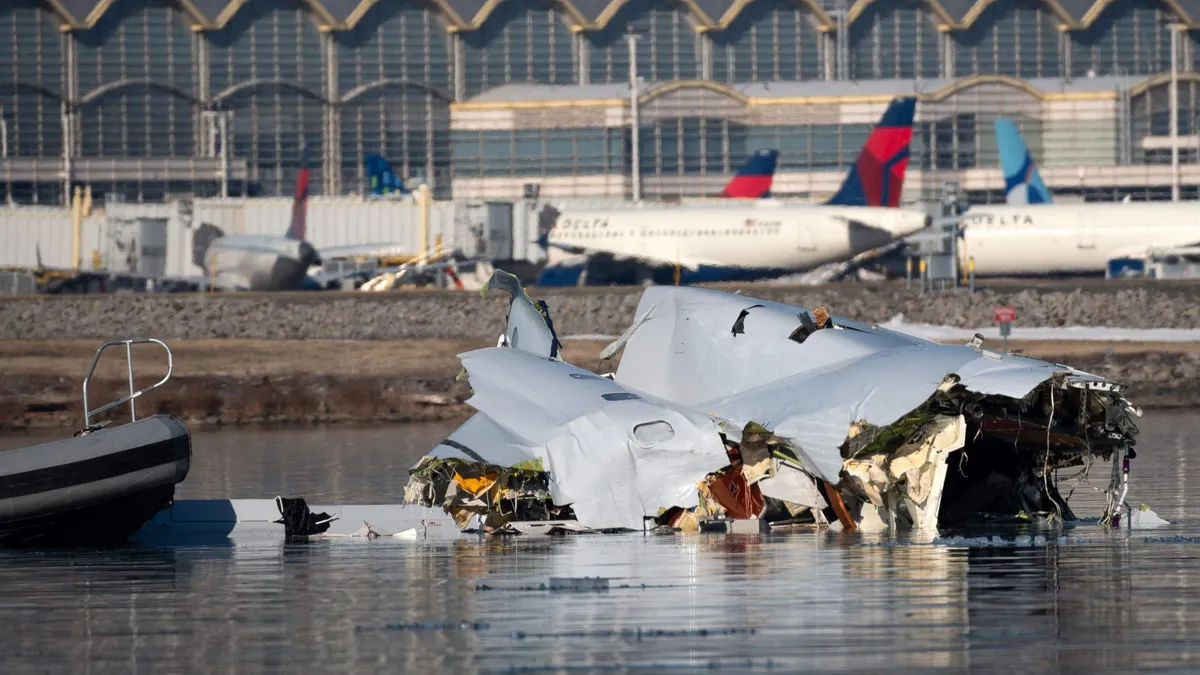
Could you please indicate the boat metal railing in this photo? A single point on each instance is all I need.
(88, 412)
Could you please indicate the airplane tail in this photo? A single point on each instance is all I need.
(382, 180)
(877, 176)
(753, 180)
(299, 226)
(1022, 182)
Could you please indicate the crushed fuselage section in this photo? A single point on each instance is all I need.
(482, 495)
(824, 422)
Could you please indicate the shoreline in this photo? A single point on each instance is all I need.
(231, 383)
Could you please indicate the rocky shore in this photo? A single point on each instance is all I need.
(464, 315)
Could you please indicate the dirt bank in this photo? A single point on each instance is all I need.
(232, 382)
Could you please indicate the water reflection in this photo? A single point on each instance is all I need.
(816, 602)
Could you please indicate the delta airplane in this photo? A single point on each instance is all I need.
(1032, 235)
(274, 263)
(759, 240)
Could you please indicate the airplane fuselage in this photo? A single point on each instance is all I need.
(1071, 238)
(259, 263)
(779, 237)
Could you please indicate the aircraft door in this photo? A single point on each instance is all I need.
(1087, 230)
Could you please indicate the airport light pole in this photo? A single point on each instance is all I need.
(1175, 28)
(635, 156)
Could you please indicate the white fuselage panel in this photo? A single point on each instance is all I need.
(1071, 238)
(786, 237)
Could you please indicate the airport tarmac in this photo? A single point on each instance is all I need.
(233, 382)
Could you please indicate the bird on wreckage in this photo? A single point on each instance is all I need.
(728, 413)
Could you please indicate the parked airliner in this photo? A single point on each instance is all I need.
(281, 263)
(759, 240)
(1032, 235)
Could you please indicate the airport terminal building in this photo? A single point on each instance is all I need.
(155, 98)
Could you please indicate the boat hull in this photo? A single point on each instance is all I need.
(92, 490)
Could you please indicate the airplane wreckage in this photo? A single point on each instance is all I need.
(728, 413)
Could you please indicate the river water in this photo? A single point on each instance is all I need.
(798, 602)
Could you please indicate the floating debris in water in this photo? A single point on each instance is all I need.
(736, 665)
(482, 588)
(578, 584)
(423, 626)
(637, 634)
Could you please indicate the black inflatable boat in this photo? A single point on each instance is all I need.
(99, 487)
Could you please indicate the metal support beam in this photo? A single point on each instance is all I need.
(331, 155)
(1175, 29)
(635, 155)
(203, 88)
(460, 79)
(583, 73)
(69, 122)
(842, 9)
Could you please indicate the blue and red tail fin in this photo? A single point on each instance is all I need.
(877, 176)
(753, 180)
(299, 225)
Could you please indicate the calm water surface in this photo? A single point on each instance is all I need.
(1118, 602)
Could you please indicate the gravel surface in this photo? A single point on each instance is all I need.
(405, 315)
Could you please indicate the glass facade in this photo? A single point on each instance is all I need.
(1018, 38)
(136, 81)
(540, 152)
(668, 49)
(769, 41)
(395, 78)
(1150, 120)
(520, 41)
(32, 90)
(895, 39)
